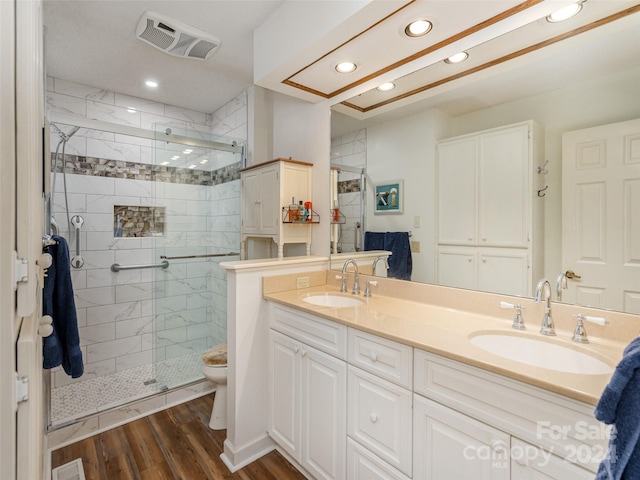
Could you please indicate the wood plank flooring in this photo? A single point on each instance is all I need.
(176, 443)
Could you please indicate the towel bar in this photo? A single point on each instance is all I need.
(207, 255)
(116, 267)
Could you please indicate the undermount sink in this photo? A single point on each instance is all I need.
(540, 353)
(332, 300)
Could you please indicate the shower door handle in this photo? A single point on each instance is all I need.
(77, 261)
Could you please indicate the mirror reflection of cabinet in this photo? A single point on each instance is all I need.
(487, 206)
(266, 189)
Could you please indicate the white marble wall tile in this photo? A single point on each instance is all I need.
(115, 312)
(97, 258)
(105, 277)
(66, 435)
(83, 91)
(113, 348)
(185, 318)
(134, 188)
(97, 333)
(171, 304)
(185, 287)
(90, 184)
(112, 114)
(76, 145)
(202, 268)
(81, 314)
(105, 203)
(154, 122)
(195, 332)
(134, 326)
(170, 336)
(78, 279)
(106, 241)
(132, 293)
(65, 104)
(77, 201)
(113, 150)
(131, 360)
(94, 297)
(91, 370)
(140, 104)
(199, 300)
(141, 256)
(186, 348)
(184, 114)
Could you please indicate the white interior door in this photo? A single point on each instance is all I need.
(601, 215)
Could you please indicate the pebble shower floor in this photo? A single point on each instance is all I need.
(87, 397)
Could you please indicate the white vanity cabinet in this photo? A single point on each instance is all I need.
(487, 202)
(470, 423)
(307, 391)
(379, 410)
(266, 189)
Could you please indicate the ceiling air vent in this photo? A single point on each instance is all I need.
(175, 38)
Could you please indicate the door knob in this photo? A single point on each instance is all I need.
(572, 274)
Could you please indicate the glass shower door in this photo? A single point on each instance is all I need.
(198, 204)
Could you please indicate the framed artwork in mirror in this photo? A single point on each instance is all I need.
(388, 197)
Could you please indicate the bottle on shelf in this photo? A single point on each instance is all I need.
(309, 211)
(294, 211)
(303, 212)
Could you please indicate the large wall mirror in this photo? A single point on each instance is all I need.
(587, 80)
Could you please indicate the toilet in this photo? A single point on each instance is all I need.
(214, 368)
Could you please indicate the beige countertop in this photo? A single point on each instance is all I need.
(447, 332)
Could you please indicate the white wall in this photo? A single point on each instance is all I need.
(404, 150)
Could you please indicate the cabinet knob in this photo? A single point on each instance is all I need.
(258, 202)
(484, 239)
(373, 357)
(296, 349)
(470, 239)
(373, 417)
(304, 353)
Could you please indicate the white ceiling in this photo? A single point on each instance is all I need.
(93, 42)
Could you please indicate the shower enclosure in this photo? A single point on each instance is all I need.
(348, 204)
(160, 210)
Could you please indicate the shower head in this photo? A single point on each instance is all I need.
(64, 137)
(72, 132)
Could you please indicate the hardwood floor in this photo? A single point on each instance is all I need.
(176, 443)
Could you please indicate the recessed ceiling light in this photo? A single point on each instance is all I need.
(131, 110)
(175, 157)
(346, 67)
(204, 160)
(164, 163)
(385, 87)
(187, 151)
(192, 166)
(565, 13)
(457, 58)
(418, 28)
(151, 83)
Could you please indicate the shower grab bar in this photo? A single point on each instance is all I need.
(207, 255)
(116, 267)
(77, 261)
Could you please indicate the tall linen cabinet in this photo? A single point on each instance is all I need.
(490, 208)
(267, 188)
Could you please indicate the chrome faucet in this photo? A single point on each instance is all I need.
(375, 263)
(543, 292)
(561, 283)
(356, 286)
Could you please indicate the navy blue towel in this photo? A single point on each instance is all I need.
(62, 347)
(400, 261)
(620, 405)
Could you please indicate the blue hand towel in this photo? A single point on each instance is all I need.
(400, 262)
(62, 347)
(620, 405)
(374, 240)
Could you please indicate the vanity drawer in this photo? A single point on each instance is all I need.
(379, 417)
(325, 335)
(385, 358)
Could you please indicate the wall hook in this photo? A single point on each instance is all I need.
(542, 190)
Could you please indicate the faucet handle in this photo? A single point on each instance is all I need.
(597, 320)
(518, 321)
(367, 287)
(343, 285)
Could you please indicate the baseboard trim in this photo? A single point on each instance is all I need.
(236, 458)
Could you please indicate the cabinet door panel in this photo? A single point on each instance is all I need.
(284, 394)
(250, 202)
(364, 465)
(504, 271)
(503, 187)
(457, 267)
(457, 192)
(531, 463)
(379, 417)
(450, 445)
(270, 202)
(324, 413)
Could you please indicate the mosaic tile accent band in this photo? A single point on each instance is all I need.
(349, 186)
(102, 167)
